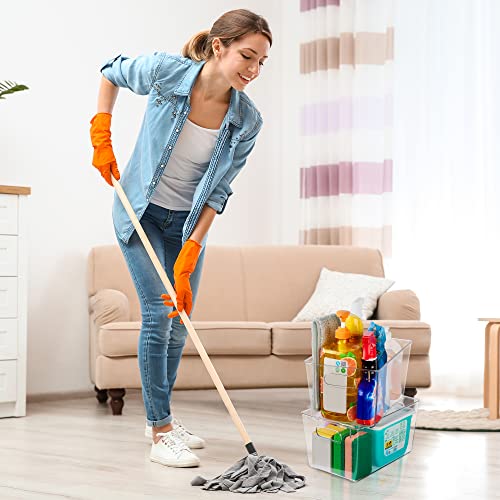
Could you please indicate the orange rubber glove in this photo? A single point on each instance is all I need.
(104, 158)
(183, 268)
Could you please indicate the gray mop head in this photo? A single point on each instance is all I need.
(254, 474)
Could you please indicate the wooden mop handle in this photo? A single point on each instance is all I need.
(185, 318)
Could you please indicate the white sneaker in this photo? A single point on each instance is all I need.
(173, 452)
(192, 441)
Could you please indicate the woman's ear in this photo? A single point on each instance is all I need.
(216, 47)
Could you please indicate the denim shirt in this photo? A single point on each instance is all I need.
(168, 80)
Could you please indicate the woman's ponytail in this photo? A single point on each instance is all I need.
(228, 28)
(197, 47)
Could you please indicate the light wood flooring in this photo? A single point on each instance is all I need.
(77, 449)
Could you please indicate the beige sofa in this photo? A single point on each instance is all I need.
(247, 297)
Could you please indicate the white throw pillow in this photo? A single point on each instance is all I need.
(336, 291)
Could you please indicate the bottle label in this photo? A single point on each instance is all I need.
(335, 385)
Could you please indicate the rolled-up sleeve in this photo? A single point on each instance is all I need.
(137, 74)
(219, 196)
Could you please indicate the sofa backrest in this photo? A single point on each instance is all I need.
(246, 283)
(106, 268)
(272, 283)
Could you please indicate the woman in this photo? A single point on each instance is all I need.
(198, 130)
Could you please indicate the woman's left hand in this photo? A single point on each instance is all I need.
(183, 268)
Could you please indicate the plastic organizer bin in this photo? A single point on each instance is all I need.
(333, 384)
(354, 452)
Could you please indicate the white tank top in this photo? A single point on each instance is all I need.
(185, 168)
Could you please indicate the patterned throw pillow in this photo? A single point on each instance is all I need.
(336, 291)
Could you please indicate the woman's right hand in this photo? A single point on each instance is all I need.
(104, 158)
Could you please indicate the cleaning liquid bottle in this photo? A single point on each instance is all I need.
(338, 387)
(381, 403)
(367, 388)
(394, 368)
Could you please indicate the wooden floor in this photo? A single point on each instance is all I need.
(77, 449)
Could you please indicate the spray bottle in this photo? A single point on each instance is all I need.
(381, 404)
(367, 387)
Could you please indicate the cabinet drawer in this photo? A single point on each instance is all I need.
(8, 297)
(8, 381)
(8, 339)
(8, 255)
(8, 213)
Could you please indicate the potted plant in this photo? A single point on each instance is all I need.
(8, 87)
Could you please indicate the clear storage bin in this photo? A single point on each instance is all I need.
(335, 391)
(354, 452)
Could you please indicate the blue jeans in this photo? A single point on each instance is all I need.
(162, 339)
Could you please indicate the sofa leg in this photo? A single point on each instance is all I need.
(411, 392)
(101, 394)
(116, 402)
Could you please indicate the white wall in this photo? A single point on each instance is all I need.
(56, 48)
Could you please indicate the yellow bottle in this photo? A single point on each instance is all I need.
(339, 371)
(355, 326)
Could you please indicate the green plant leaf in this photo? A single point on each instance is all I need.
(8, 87)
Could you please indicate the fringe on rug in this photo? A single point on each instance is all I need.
(450, 420)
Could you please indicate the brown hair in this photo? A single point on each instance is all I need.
(228, 28)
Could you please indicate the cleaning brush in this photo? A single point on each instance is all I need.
(253, 473)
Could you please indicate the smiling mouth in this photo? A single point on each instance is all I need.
(244, 79)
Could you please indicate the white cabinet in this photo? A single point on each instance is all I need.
(13, 300)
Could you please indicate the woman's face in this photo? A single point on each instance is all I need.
(242, 61)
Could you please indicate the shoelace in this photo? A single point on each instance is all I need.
(181, 430)
(175, 445)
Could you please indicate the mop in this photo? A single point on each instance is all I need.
(253, 473)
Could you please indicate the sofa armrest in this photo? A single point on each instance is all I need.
(108, 306)
(398, 304)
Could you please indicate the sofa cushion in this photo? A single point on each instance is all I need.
(335, 291)
(295, 338)
(231, 337)
(119, 338)
(218, 337)
(291, 338)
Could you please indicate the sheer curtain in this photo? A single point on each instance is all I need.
(446, 223)
(346, 66)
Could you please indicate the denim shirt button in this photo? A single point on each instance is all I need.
(177, 130)
(170, 147)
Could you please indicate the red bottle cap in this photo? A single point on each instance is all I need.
(369, 346)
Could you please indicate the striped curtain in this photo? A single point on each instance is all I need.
(346, 66)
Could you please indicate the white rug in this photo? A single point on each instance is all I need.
(450, 420)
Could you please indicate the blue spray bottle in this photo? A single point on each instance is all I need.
(381, 406)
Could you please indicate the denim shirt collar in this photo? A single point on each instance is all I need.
(186, 85)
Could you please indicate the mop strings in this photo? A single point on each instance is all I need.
(253, 474)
